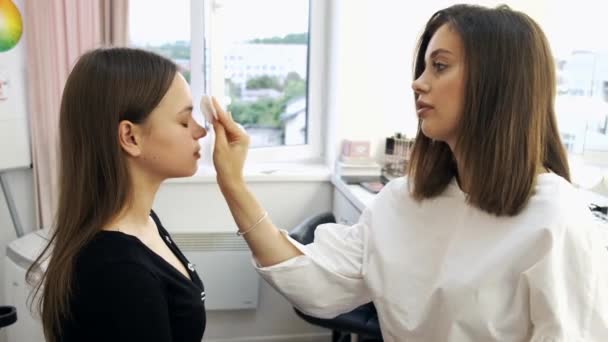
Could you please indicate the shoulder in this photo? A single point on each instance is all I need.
(111, 247)
(562, 210)
(397, 196)
(113, 256)
(395, 190)
(559, 202)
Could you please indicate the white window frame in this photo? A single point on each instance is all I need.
(210, 28)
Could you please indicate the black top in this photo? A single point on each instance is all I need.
(125, 292)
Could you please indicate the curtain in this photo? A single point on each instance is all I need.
(57, 32)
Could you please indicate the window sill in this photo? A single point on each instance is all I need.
(266, 172)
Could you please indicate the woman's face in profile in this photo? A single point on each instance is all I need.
(170, 148)
(440, 87)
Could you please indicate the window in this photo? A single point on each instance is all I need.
(581, 54)
(279, 44)
(153, 27)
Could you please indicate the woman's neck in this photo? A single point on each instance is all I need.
(134, 219)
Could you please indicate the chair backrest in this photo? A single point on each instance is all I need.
(8, 316)
(304, 232)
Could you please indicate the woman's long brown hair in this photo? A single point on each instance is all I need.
(105, 87)
(508, 129)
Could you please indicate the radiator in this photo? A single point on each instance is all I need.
(223, 261)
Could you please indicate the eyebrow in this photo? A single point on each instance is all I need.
(186, 109)
(438, 51)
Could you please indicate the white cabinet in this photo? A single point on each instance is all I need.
(344, 210)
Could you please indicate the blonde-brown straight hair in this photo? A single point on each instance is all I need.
(508, 130)
(106, 86)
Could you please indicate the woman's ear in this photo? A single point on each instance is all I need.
(129, 138)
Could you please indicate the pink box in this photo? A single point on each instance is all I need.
(355, 149)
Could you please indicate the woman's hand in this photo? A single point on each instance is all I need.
(230, 151)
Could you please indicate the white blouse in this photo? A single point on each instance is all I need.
(443, 270)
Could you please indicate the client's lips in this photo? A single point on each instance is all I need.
(422, 107)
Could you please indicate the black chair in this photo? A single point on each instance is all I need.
(8, 316)
(362, 321)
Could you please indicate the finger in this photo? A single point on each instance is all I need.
(225, 119)
(216, 105)
(220, 135)
(230, 126)
(236, 123)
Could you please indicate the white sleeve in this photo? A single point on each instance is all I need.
(569, 287)
(328, 279)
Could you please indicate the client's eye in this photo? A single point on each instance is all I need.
(439, 66)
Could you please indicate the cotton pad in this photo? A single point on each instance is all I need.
(207, 108)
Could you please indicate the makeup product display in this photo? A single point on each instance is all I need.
(397, 151)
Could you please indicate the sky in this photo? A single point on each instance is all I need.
(160, 21)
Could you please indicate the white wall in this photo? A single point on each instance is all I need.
(14, 131)
(371, 47)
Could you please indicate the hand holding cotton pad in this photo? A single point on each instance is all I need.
(207, 108)
(210, 113)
